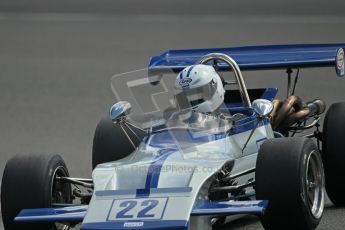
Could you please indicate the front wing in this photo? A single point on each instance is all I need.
(76, 214)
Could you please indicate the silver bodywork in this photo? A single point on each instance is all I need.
(193, 168)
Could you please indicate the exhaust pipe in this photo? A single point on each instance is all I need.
(285, 114)
(313, 108)
(289, 107)
(316, 107)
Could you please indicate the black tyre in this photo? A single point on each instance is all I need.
(29, 182)
(333, 152)
(110, 142)
(289, 174)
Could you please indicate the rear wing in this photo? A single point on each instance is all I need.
(259, 57)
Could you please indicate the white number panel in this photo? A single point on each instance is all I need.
(137, 209)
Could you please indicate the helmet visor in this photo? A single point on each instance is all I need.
(190, 98)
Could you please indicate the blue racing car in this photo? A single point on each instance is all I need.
(188, 146)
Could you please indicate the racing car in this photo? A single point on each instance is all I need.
(187, 145)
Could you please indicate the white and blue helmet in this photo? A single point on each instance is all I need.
(200, 88)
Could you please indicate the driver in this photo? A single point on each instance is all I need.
(199, 88)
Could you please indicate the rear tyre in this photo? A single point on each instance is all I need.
(29, 181)
(334, 152)
(110, 142)
(289, 174)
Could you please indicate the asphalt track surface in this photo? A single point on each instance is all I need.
(57, 58)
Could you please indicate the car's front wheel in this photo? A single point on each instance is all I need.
(333, 152)
(111, 143)
(289, 174)
(29, 181)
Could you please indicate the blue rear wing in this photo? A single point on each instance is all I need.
(254, 57)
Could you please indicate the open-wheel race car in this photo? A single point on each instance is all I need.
(188, 145)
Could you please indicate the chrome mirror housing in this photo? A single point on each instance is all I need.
(262, 107)
(120, 110)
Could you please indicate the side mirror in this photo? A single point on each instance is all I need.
(262, 107)
(120, 110)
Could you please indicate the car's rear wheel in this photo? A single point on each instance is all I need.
(334, 152)
(110, 143)
(29, 181)
(289, 174)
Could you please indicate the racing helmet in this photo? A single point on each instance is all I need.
(199, 87)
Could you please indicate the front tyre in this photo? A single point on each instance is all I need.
(289, 174)
(110, 142)
(333, 152)
(29, 181)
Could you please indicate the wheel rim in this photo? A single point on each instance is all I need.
(60, 193)
(315, 181)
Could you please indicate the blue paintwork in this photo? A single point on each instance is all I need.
(67, 214)
(180, 139)
(154, 225)
(154, 171)
(205, 208)
(103, 193)
(270, 94)
(254, 57)
(156, 166)
(185, 139)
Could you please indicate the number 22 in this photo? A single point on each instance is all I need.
(130, 204)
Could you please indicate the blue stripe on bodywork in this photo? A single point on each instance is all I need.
(156, 166)
(269, 94)
(155, 225)
(154, 171)
(206, 208)
(74, 214)
(184, 138)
